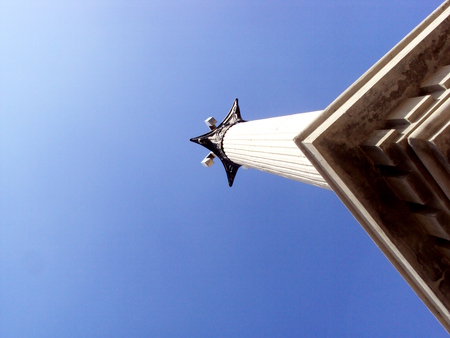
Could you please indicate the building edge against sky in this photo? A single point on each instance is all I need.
(383, 146)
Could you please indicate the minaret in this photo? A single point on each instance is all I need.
(267, 145)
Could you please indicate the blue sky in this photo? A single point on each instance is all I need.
(109, 225)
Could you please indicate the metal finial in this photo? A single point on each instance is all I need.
(213, 140)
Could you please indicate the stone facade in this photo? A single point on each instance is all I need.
(384, 147)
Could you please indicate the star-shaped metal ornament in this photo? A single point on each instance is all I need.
(213, 141)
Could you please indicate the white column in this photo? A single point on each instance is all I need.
(268, 145)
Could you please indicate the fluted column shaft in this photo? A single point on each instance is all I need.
(268, 145)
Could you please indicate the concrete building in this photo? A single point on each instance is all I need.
(383, 146)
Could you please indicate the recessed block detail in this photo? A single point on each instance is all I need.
(374, 146)
(434, 221)
(411, 109)
(409, 189)
(439, 81)
(442, 142)
(431, 143)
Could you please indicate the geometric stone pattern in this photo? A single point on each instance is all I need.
(421, 176)
(431, 141)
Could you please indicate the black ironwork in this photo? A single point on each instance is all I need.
(213, 141)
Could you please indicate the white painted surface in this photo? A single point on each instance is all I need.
(208, 160)
(268, 145)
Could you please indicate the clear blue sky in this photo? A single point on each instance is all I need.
(109, 225)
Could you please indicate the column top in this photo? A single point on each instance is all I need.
(213, 140)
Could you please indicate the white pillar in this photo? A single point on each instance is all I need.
(268, 145)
